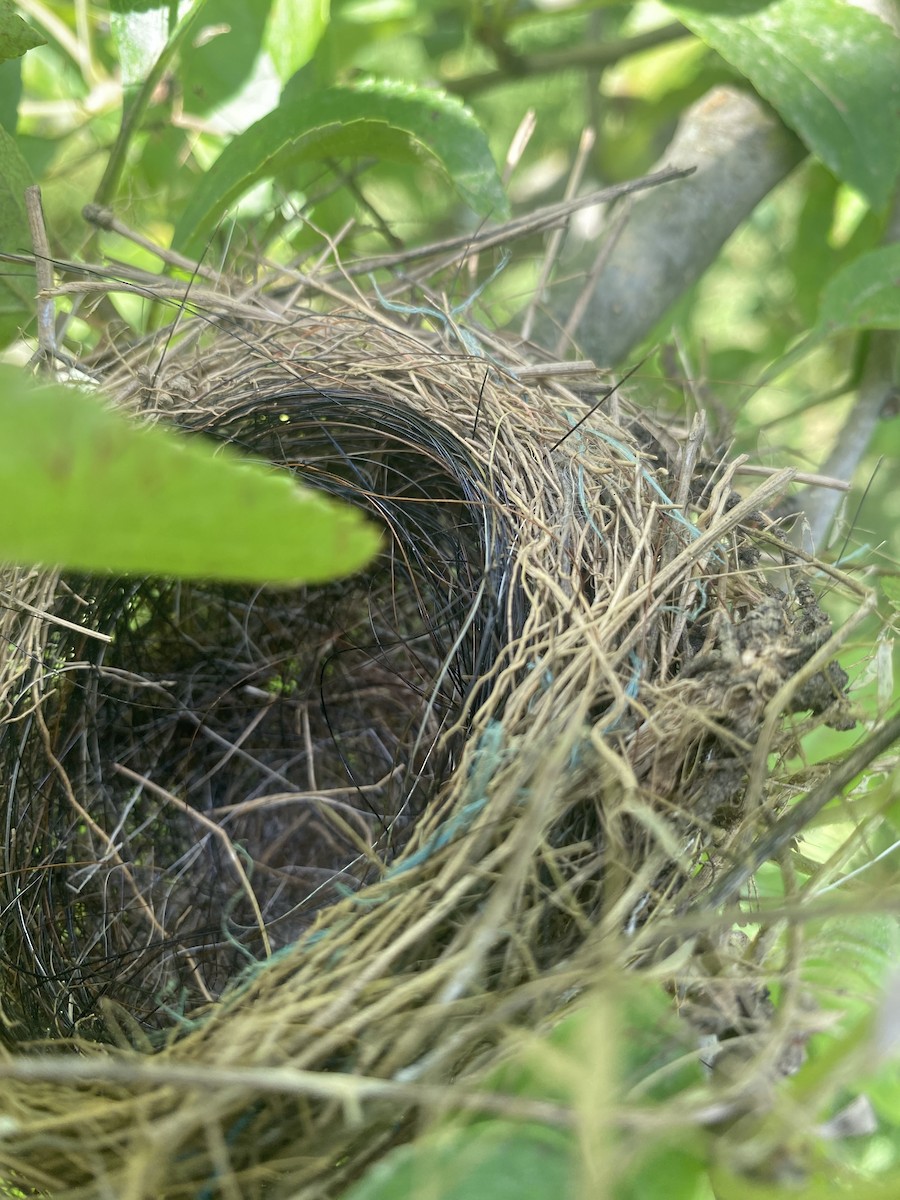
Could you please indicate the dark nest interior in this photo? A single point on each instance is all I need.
(368, 828)
(235, 758)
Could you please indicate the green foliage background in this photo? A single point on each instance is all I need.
(236, 131)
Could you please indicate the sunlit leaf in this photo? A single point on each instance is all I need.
(140, 32)
(865, 294)
(392, 121)
(831, 70)
(294, 31)
(86, 488)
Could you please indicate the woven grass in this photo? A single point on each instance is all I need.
(281, 865)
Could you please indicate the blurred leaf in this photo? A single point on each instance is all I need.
(809, 259)
(493, 1160)
(389, 120)
(863, 295)
(17, 282)
(16, 35)
(828, 1183)
(675, 1172)
(88, 489)
(651, 1056)
(831, 70)
(883, 1090)
(294, 31)
(850, 960)
(10, 93)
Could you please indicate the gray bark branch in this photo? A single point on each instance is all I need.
(741, 151)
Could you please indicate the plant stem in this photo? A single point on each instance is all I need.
(135, 106)
(740, 151)
(596, 56)
(798, 816)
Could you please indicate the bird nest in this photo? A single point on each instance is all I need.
(360, 829)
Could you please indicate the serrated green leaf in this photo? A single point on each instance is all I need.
(16, 35)
(393, 121)
(863, 295)
(831, 70)
(86, 488)
(496, 1160)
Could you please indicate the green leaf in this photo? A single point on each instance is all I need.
(393, 121)
(219, 62)
(16, 35)
(863, 295)
(10, 93)
(294, 30)
(17, 282)
(496, 1160)
(831, 70)
(673, 1171)
(86, 488)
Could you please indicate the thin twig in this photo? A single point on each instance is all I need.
(498, 235)
(105, 218)
(585, 146)
(583, 300)
(795, 820)
(825, 481)
(559, 370)
(43, 269)
(134, 109)
(517, 146)
(53, 618)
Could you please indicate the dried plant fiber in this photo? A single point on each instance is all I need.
(281, 864)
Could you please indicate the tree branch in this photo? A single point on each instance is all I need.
(741, 151)
(593, 57)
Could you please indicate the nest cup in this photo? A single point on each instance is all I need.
(279, 744)
(365, 826)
